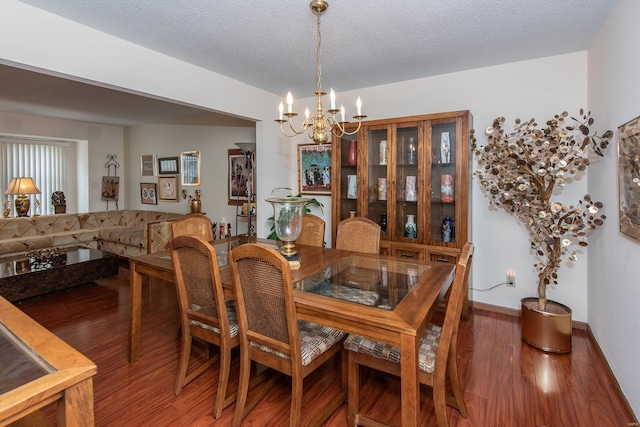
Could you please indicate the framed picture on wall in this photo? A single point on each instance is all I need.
(168, 188)
(314, 169)
(168, 166)
(239, 177)
(149, 193)
(629, 177)
(190, 167)
(148, 165)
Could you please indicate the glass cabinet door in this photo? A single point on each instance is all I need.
(443, 182)
(348, 152)
(378, 146)
(407, 224)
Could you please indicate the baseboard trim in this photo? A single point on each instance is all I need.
(516, 313)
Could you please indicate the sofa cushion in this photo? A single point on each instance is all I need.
(77, 237)
(49, 224)
(120, 249)
(24, 244)
(100, 219)
(16, 227)
(123, 235)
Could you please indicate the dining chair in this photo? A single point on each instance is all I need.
(204, 313)
(437, 354)
(193, 225)
(271, 334)
(312, 233)
(358, 234)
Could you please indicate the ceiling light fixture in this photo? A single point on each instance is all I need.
(319, 125)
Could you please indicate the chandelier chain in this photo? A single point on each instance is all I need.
(318, 47)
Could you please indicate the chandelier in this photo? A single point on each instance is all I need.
(318, 126)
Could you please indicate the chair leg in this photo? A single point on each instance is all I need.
(296, 400)
(353, 397)
(243, 389)
(455, 384)
(439, 400)
(185, 354)
(223, 382)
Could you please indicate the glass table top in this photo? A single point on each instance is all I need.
(375, 282)
(19, 364)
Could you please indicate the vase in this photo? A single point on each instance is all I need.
(410, 229)
(410, 189)
(411, 151)
(446, 188)
(548, 330)
(383, 152)
(195, 205)
(383, 224)
(382, 188)
(287, 214)
(352, 159)
(447, 229)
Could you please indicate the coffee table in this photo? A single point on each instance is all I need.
(23, 277)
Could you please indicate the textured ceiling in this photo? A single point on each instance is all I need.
(271, 45)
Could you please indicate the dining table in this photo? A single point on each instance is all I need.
(379, 297)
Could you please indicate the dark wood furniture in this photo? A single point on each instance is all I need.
(23, 276)
(424, 282)
(38, 368)
(430, 150)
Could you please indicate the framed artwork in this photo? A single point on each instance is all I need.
(314, 169)
(148, 193)
(240, 176)
(190, 167)
(148, 165)
(168, 188)
(168, 166)
(110, 188)
(629, 177)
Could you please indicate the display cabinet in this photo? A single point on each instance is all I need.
(411, 175)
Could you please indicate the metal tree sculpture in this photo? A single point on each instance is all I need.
(520, 171)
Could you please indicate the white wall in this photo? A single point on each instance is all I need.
(168, 141)
(95, 141)
(614, 95)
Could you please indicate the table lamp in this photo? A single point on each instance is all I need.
(20, 187)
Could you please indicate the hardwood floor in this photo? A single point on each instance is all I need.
(505, 382)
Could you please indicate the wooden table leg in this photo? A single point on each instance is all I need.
(76, 407)
(135, 301)
(410, 385)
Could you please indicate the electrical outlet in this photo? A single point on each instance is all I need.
(511, 279)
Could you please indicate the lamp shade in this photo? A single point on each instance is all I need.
(22, 186)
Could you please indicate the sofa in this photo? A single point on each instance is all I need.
(128, 233)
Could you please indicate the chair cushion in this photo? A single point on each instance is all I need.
(315, 339)
(427, 352)
(231, 315)
(346, 293)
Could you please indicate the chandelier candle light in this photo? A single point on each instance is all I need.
(319, 125)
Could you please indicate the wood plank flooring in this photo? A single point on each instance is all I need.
(505, 382)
